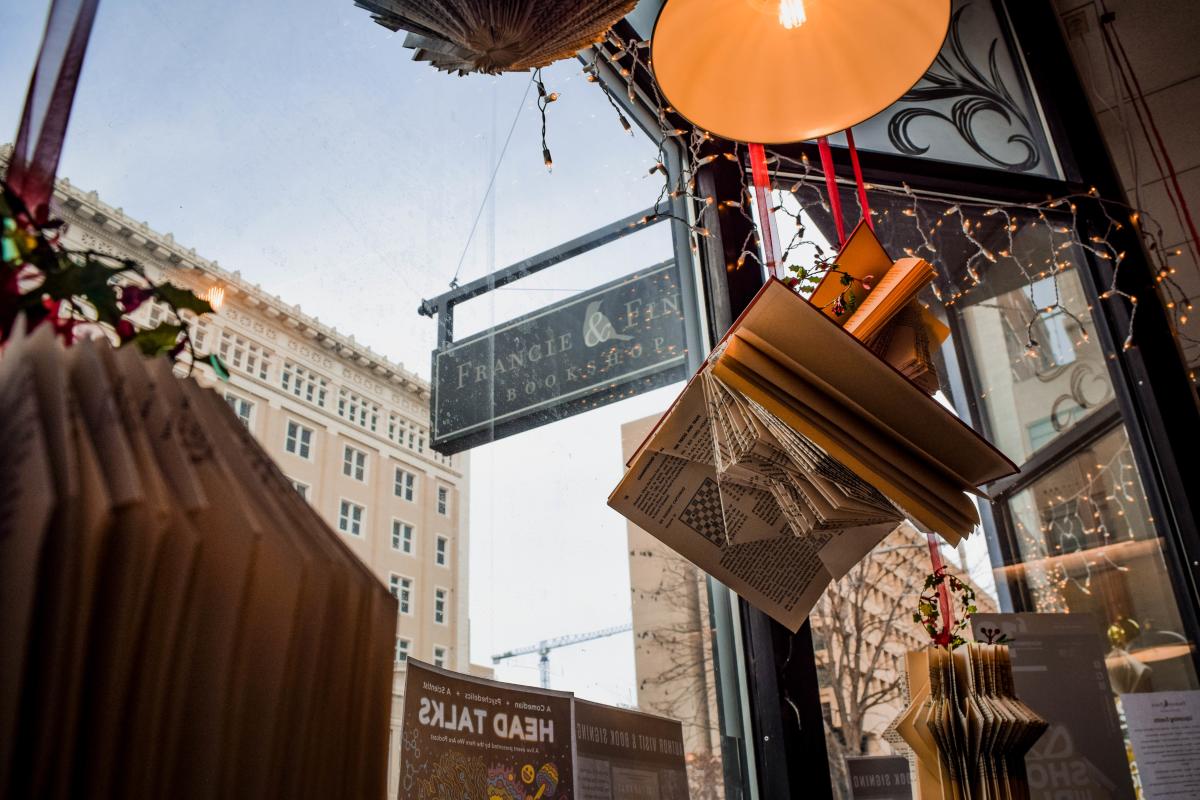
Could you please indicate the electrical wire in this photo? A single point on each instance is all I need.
(491, 183)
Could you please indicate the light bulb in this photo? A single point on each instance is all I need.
(791, 13)
(215, 296)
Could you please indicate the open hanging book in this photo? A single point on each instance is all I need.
(792, 452)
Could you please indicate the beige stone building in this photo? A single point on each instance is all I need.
(347, 426)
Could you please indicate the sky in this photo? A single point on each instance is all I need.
(300, 145)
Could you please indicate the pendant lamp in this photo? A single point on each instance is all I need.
(778, 71)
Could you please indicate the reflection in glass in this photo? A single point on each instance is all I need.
(1040, 373)
(1088, 544)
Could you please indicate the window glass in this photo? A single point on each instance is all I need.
(1072, 533)
(350, 518)
(974, 106)
(401, 589)
(439, 606)
(1088, 545)
(354, 463)
(402, 647)
(241, 406)
(329, 196)
(402, 537)
(1041, 371)
(405, 486)
(298, 440)
(441, 555)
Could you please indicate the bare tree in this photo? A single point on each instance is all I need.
(862, 627)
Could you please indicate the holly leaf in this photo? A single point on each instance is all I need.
(183, 299)
(158, 340)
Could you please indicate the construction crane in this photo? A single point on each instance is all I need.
(544, 647)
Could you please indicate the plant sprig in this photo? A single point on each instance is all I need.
(45, 282)
(804, 280)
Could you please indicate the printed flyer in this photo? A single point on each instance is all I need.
(627, 755)
(466, 737)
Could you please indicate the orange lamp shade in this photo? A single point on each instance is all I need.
(776, 71)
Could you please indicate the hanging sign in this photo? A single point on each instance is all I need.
(611, 342)
(878, 778)
(470, 737)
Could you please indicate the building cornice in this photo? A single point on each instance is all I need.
(139, 237)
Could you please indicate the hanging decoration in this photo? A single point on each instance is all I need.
(965, 725)
(926, 217)
(933, 608)
(495, 36)
(41, 280)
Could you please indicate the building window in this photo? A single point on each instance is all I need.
(299, 439)
(401, 589)
(443, 501)
(245, 355)
(441, 551)
(439, 606)
(439, 656)
(301, 488)
(199, 332)
(354, 463)
(241, 406)
(350, 518)
(304, 383)
(357, 409)
(402, 537)
(402, 647)
(406, 485)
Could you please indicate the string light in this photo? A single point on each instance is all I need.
(630, 61)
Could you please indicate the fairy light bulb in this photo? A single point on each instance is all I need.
(215, 296)
(791, 13)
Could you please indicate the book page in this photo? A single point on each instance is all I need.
(737, 534)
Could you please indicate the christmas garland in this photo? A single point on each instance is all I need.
(928, 613)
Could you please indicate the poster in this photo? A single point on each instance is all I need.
(878, 778)
(467, 737)
(1059, 672)
(1165, 730)
(627, 755)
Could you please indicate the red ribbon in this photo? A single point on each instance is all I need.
(762, 195)
(48, 104)
(935, 556)
(835, 200)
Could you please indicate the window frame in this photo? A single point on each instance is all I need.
(307, 446)
(409, 494)
(361, 522)
(441, 595)
(354, 463)
(404, 594)
(398, 525)
(441, 550)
